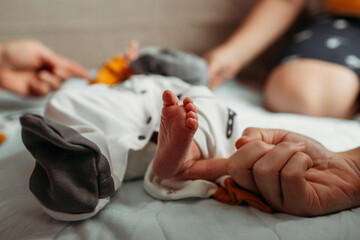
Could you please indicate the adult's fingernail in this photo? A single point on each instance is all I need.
(243, 136)
(241, 141)
(60, 73)
(300, 144)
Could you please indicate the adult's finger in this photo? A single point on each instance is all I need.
(214, 76)
(214, 81)
(61, 66)
(38, 88)
(214, 71)
(266, 171)
(70, 68)
(208, 169)
(52, 80)
(295, 189)
(241, 163)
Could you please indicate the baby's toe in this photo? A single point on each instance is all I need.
(191, 114)
(192, 123)
(190, 107)
(169, 98)
(187, 100)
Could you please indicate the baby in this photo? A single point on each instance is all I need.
(92, 139)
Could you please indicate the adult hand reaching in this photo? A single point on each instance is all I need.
(29, 68)
(267, 21)
(223, 63)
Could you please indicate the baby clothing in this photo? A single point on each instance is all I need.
(171, 62)
(71, 175)
(94, 138)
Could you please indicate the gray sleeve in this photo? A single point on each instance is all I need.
(70, 173)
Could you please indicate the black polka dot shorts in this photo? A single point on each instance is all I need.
(328, 38)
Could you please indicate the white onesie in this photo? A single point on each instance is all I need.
(120, 121)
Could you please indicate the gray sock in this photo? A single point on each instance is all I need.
(71, 174)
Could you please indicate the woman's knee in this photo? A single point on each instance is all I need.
(286, 92)
(312, 87)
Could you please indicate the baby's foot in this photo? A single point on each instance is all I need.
(177, 128)
(132, 51)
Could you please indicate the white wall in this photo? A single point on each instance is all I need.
(91, 31)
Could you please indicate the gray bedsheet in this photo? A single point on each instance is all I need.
(133, 214)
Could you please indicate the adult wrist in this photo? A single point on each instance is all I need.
(234, 46)
(241, 51)
(234, 55)
(353, 157)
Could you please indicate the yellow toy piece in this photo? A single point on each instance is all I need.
(2, 138)
(114, 71)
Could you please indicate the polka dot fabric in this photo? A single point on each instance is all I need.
(328, 38)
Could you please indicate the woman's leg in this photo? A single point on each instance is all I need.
(312, 87)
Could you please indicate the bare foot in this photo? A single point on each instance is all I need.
(131, 52)
(177, 128)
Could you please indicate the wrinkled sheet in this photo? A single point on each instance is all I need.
(133, 214)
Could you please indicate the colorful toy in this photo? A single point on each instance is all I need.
(2, 138)
(114, 71)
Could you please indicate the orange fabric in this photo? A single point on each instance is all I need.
(2, 138)
(114, 71)
(343, 7)
(233, 194)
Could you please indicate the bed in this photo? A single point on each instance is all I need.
(133, 214)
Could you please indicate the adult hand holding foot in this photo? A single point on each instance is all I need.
(29, 68)
(294, 173)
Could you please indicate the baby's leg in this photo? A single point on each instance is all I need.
(176, 149)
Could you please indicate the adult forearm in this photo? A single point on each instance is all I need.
(266, 23)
